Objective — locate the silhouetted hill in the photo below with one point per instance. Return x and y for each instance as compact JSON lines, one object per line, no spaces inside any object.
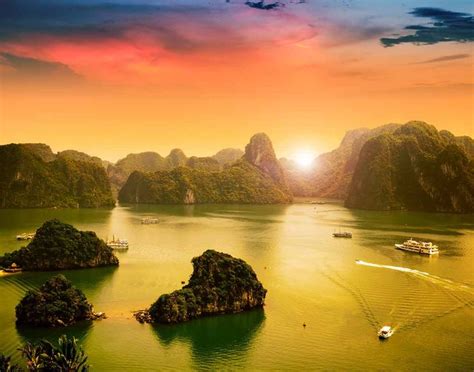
{"x":414,"y":168}
{"x":28,"y":181}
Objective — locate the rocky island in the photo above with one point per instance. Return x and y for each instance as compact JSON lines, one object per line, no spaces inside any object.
{"x":414,"y":168}
{"x":219,"y":284}
{"x":56,"y":303}
{"x":32,"y":176}
{"x":60,"y":246}
{"x":257,"y":178}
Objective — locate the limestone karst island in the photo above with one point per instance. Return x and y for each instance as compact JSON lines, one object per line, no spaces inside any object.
{"x":236,"y":185}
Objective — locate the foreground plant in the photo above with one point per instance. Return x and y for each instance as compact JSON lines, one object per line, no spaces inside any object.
{"x":67,"y":356}
{"x":6,"y":364}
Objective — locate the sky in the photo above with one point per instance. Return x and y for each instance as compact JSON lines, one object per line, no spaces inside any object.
{"x":115,"y":77}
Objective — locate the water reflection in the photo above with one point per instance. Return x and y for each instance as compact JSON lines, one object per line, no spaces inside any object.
{"x":79,"y":330}
{"x":213,"y":339}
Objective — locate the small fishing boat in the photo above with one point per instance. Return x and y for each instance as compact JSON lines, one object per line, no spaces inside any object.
{"x":118,"y":244}
{"x":385,"y":332}
{"x":14,"y":268}
{"x":342,"y":234}
{"x":418,"y":247}
{"x":25,"y":236}
{"x":150,"y":221}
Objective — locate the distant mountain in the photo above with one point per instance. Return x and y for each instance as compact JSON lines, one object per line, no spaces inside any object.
{"x":414,"y":167}
{"x":228,"y":156}
{"x":176,"y":158}
{"x":153,"y":162}
{"x":257,"y":178}
{"x":32,"y":176}
{"x":260,"y":153}
{"x":41,"y":150}
{"x":332,"y":172}
{"x":203,"y":163}
{"x":81,"y":156}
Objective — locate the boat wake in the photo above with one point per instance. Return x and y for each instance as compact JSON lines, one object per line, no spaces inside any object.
{"x":404,"y":305}
{"x":445,"y":283}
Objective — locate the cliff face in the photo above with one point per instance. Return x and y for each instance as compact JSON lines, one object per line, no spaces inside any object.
{"x":228,"y":156}
{"x":259,"y":152}
{"x":56,"y":303}
{"x":414,"y":168}
{"x":334,"y":170}
{"x":59,"y":246}
{"x":176,"y":158}
{"x":259,"y":182}
{"x":219,"y":284}
{"x":28,"y":181}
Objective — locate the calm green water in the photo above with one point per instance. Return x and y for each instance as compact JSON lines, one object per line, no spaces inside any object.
{"x":310,"y":276}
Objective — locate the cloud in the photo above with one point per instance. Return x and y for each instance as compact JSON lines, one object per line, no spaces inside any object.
{"x":263,"y":6}
{"x":451,"y":57}
{"x":445,"y":26}
{"x":15,"y":67}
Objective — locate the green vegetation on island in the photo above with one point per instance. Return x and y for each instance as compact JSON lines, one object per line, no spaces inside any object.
{"x":33,"y":177}
{"x":56,"y":303}
{"x":219,"y":284}
{"x":67,"y":355}
{"x":258,"y":178}
{"x":414,"y":168}
{"x":59,"y":246}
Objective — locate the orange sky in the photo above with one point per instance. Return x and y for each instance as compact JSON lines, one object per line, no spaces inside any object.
{"x":207,"y":78}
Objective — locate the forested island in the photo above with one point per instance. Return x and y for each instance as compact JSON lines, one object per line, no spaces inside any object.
{"x":257,"y":178}
{"x":31,"y":176}
{"x":393,"y":167}
{"x":414,"y":168}
{"x":219,"y":284}
{"x":59,"y":246}
{"x":427,"y":170}
{"x":57,"y":303}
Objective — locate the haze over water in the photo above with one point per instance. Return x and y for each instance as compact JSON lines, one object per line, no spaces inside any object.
{"x":311,"y":278}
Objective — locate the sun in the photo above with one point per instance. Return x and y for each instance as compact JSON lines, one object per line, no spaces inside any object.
{"x":304,"y":158}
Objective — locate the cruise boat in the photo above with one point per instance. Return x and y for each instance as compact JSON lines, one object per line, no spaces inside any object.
{"x":150,"y":221}
{"x":25,"y":236}
{"x":385,"y":332}
{"x":418,"y":247}
{"x":342,"y":234}
{"x":118,"y":244}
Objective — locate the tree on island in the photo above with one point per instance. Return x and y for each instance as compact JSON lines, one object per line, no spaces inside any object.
{"x":59,"y":246}
{"x":56,"y":303}
{"x":219,"y":284}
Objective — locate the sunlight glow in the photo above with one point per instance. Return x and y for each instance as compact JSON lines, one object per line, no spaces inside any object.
{"x":304,"y":158}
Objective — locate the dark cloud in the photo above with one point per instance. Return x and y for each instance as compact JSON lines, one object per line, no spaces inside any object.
{"x":174,"y":26}
{"x":451,"y":57}
{"x":32,"y":68}
{"x":264,"y":6}
{"x":445,"y":25}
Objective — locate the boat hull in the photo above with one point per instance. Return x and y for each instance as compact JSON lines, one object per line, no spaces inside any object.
{"x":415,"y":250}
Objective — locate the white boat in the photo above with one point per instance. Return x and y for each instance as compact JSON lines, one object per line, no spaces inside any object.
{"x":118,"y":244}
{"x":25,"y":236}
{"x":385,"y":332}
{"x":150,"y":221}
{"x":418,"y":247}
{"x":13,"y":268}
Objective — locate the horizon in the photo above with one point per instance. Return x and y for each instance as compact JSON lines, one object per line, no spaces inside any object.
{"x":293,"y":154}
{"x":200,"y":75}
